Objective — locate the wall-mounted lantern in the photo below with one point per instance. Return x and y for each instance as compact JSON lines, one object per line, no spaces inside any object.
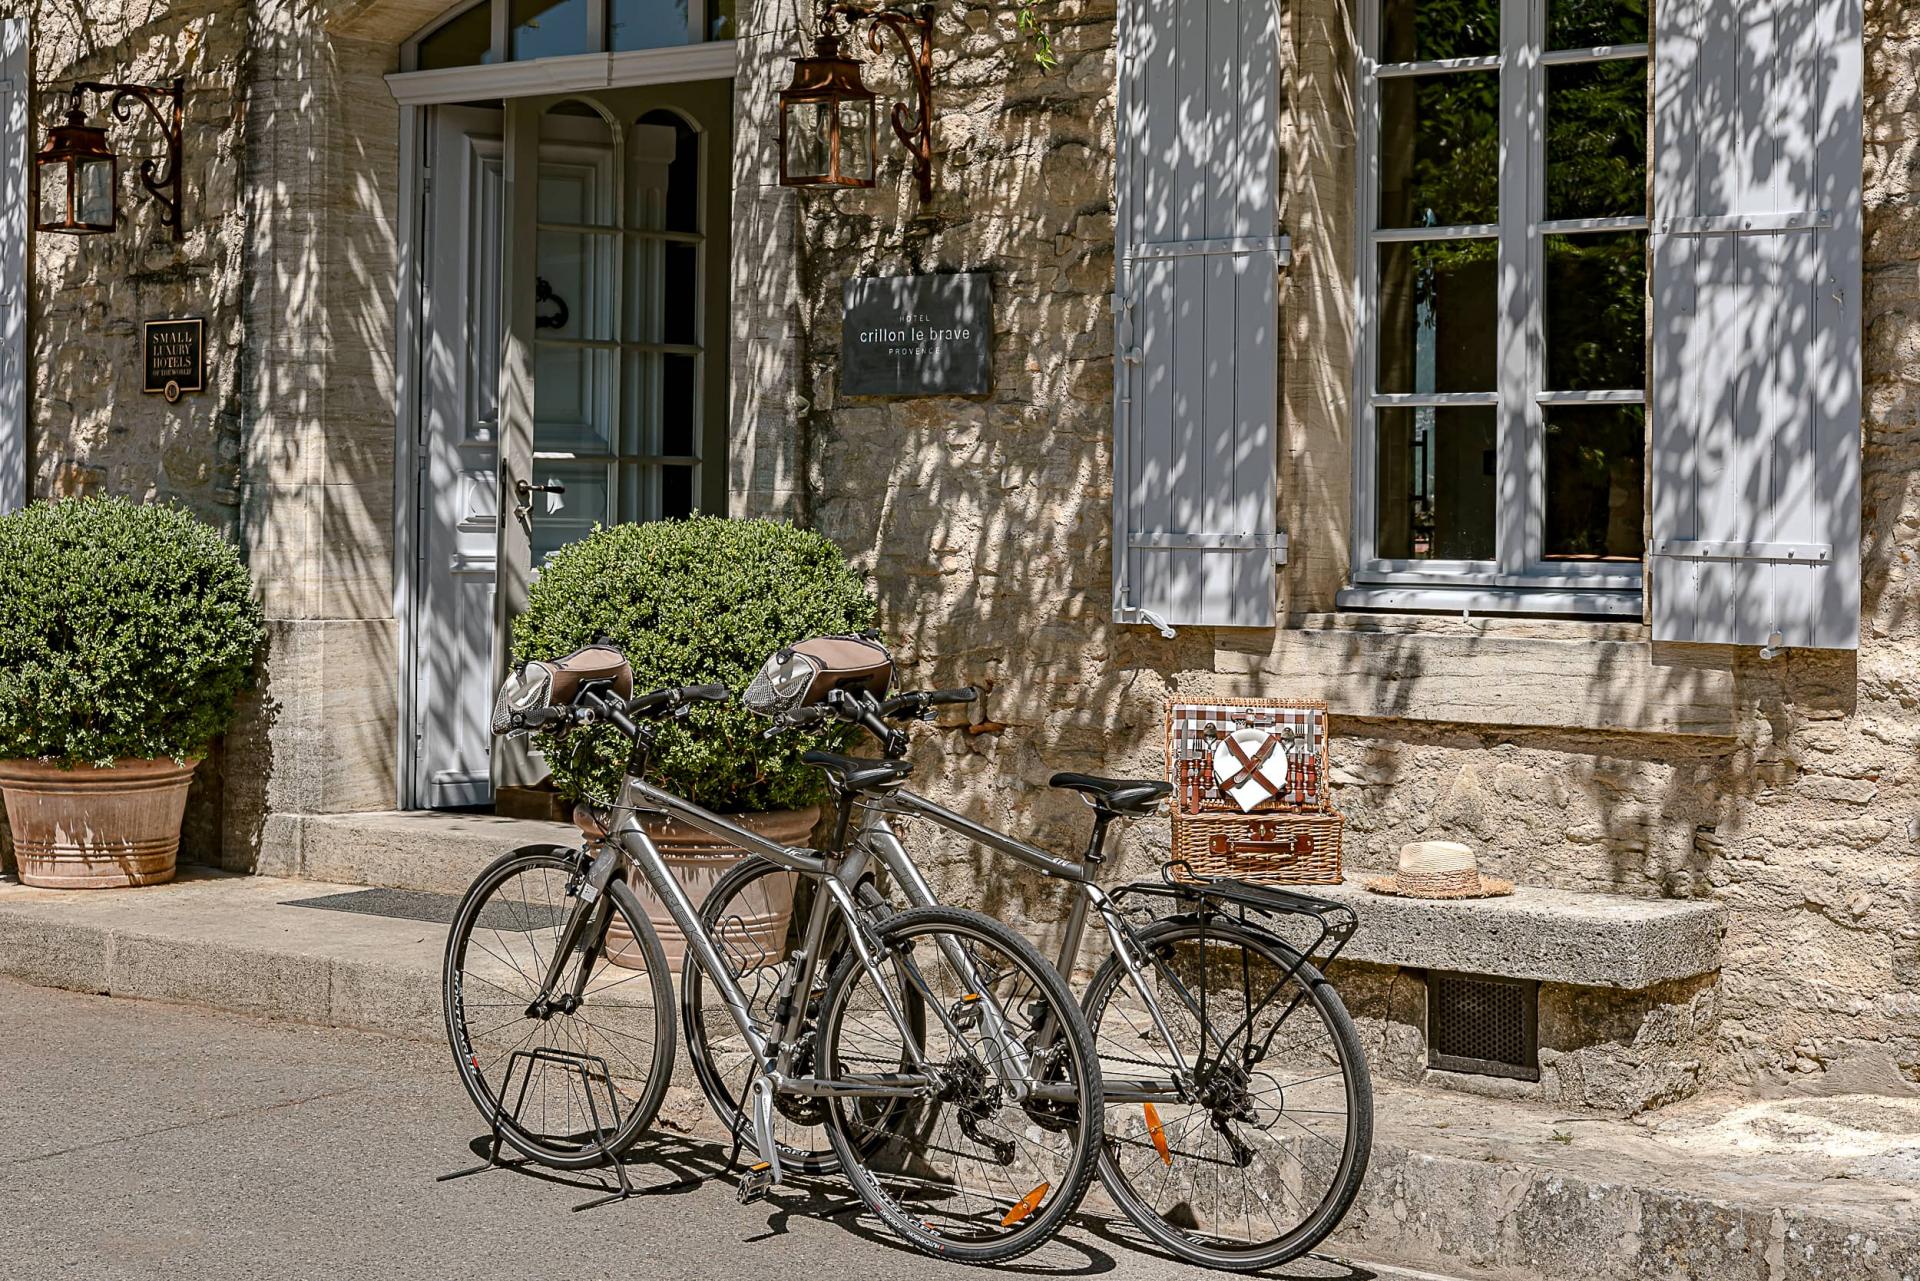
{"x":78,"y":174}
{"x":827,"y":127}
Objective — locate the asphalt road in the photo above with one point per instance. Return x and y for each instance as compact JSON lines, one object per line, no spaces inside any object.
{"x":156,"y":1141}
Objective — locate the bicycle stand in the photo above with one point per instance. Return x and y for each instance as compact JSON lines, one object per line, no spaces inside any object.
{"x":570,"y":1061}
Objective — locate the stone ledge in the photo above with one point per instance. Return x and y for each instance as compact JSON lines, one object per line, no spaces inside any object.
{"x":1555,"y":936}
{"x":1583,"y":676}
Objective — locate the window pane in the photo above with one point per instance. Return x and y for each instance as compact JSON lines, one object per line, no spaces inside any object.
{"x":1425,"y":30}
{"x":666,"y":160}
{"x":575,"y":273}
{"x":676,"y":492}
{"x":1440,"y":149}
{"x":720,"y":19}
{"x":1584,"y":24}
{"x":465,"y":41}
{"x":559,"y":519}
{"x":1596,"y":457}
{"x":659,"y":403}
{"x":1596,"y":311}
{"x":1597,"y":139}
{"x":1437,"y":316}
{"x":646,"y":24}
{"x":548,"y":28}
{"x":572,"y":398}
{"x":1436,"y":490}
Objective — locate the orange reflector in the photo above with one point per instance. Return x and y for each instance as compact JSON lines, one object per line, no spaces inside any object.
{"x":971,"y":996}
{"x":1157,"y":1133}
{"x":1026,"y":1205}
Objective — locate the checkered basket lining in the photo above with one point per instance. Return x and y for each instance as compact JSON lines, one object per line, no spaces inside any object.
{"x":1190,"y":753}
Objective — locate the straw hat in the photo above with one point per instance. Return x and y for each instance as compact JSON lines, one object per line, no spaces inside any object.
{"x":1438,"y":869}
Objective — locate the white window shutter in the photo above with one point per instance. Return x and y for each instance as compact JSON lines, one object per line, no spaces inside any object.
{"x":14,"y":73}
{"x":1196,"y":360}
{"x":1755,"y":535}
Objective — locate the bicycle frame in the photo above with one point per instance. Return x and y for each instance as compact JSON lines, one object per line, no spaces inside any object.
{"x":877,"y":839}
{"x":839,"y":876}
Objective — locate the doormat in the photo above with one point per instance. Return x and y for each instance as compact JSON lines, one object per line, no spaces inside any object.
{"x":435,"y":909}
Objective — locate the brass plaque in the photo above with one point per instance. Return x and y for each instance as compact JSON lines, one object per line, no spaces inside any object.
{"x":176,"y":357}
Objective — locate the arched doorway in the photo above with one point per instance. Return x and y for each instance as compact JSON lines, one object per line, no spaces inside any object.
{"x":572,"y":329}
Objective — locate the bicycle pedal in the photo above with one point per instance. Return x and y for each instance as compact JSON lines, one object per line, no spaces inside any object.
{"x":756,"y":1183}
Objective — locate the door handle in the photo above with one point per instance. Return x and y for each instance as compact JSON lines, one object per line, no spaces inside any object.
{"x":523,"y":492}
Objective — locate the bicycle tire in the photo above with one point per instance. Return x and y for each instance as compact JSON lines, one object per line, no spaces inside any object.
{"x":1037,"y":1225}
{"x":1350,"y":1171}
{"x":566,"y":864}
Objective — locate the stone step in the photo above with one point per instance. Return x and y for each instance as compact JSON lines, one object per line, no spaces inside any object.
{"x":433,"y":850}
{"x":1715,"y":1188}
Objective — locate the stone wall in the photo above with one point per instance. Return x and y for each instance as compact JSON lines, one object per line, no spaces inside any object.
{"x":1786,"y":790}
{"x":290,"y":254}
{"x":91,"y":428}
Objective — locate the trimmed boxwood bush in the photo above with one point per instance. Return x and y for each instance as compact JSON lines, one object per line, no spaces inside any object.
{"x":695,"y":602}
{"x":125,"y":630}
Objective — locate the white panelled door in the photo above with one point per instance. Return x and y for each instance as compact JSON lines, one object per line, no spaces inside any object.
{"x":1196,"y":414}
{"x":459,"y":494}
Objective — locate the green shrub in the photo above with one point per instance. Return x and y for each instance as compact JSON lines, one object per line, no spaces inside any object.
{"x":694,"y":602}
{"x":125,"y":630}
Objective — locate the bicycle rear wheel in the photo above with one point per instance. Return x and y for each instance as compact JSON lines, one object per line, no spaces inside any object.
{"x":570,"y":1082}
{"x":967,"y":1172}
{"x":1266,"y":1153}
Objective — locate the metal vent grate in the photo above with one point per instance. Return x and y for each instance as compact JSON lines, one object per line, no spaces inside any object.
{"x":1482,"y":1024}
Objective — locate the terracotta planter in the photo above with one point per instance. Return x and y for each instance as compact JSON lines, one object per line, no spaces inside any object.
{"x":697,"y":861}
{"x":89,"y":828}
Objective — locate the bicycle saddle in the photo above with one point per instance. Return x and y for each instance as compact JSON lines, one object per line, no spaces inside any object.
{"x":858,"y":773}
{"x":1125,"y":797}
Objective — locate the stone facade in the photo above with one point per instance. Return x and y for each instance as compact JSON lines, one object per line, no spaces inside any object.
{"x":1575,"y":755}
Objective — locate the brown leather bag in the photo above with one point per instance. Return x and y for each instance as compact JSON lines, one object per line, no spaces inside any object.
{"x":801,"y":675}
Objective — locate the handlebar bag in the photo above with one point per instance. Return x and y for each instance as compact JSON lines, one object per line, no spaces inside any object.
{"x":553,"y":683}
{"x":801,"y":675}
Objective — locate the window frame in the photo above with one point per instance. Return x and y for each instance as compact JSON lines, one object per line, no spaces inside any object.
{"x":1519,"y":396}
{"x":500,"y":46}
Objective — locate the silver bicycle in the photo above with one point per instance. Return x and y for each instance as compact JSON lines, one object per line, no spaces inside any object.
{"x":921,"y":1044}
{"x":1239,"y":1113}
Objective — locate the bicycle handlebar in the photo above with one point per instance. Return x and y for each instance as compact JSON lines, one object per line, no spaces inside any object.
{"x":916,"y":703}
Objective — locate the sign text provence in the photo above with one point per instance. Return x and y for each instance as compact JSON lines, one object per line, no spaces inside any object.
{"x":917,"y":336}
{"x":176,"y":357}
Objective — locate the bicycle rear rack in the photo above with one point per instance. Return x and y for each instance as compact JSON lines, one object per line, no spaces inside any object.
{"x":572,"y":1062}
{"x":1235,"y":898}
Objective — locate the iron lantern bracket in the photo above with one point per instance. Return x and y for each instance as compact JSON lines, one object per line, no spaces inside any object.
{"x":912,"y":126}
{"x":167,"y":105}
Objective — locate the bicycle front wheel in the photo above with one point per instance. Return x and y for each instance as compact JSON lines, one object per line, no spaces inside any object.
{"x":570,"y":1075}
{"x":1261,"y":1157}
{"x":960,"y":1167}
{"x":754,"y":915}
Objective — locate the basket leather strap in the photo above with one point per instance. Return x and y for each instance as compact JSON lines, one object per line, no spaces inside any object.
{"x":1250,"y":765}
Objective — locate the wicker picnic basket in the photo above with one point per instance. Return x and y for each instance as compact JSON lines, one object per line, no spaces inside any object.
{"x":1291,"y":838}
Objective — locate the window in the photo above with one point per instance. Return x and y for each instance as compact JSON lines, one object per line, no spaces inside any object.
{"x":1502,"y":352}
{"x":529,"y":29}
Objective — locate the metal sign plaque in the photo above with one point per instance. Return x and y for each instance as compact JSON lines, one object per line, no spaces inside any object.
{"x":176,"y":357}
{"x":917,"y":336}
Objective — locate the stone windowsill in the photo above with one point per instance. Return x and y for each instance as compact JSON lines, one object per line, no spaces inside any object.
{"x":1522,"y":673}
{"x":1555,"y":936}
